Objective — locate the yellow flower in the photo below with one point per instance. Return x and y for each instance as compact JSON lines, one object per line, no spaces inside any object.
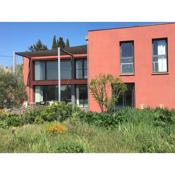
{"x":56,"y":128}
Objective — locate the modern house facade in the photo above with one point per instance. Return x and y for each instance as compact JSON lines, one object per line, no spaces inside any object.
{"x":142,"y":56}
{"x":40,"y":71}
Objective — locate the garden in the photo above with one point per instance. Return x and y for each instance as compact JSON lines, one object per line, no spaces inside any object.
{"x":63,"y":128}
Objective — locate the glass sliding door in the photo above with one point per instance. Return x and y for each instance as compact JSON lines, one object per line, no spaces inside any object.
{"x":82,"y":96}
{"x":50,"y":93}
{"x":38,"y":94}
{"x":66,"y":93}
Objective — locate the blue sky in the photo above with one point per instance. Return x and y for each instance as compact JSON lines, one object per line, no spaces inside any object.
{"x":19,"y":36}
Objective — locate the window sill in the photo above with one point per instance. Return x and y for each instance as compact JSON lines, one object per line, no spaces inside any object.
{"x":127,"y":74}
{"x":160,"y":73}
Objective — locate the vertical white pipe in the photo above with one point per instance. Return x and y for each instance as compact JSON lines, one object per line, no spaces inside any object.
{"x":14,"y":63}
{"x":59,"y":76}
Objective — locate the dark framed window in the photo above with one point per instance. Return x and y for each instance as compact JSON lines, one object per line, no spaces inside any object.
{"x":81,"y":69}
{"x":52,"y":70}
{"x":50,"y":93}
{"x":48,"y":70}
{"x":128,"y":98}
{"x":66,"y":93}
{"x":159,"y":60}
{"x":82,"y":95}
{"x":39,"y":70}
{"x":66,"y":69}
{"x":127,"y":57}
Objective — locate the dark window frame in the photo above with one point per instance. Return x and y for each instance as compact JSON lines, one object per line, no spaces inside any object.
{"x":84,"y":100}
{"x":123,"y":96}
{"x":133,"y":63}
{"x":82,"y":70}
{"x":45,"y":91}
{"x":45,"y":71}
{"x":153,"y":56}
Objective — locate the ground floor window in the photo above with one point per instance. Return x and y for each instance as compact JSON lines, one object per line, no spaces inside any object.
{"x":68,"y":93}
{"x":50,"y":93}
{"x":128,"y":98}
{"x":82,"y":96}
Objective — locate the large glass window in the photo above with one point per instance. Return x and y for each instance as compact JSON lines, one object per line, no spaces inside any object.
{"x":81,"y":95}
{"x":81,"y":69}
{"x":127,"y":57}
{"x":38,"y":94}
{"x":66,"y":70}
{"x":39,"y":67}
{"x":160,"y":55}
{"x":48,"y":70}
{"x":52,"y":70}
{"x":50,"y":93}
{"x":66,"y":93}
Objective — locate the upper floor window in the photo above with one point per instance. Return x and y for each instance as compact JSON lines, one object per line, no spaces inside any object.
{"x":52,"y":70}
{"x":48,"y":70}
{"x":159,"y":55}
{"x":39,"y":69}
{"x":81,"y":69}
{"x":66,"y":70}
{"x":127,"y":57}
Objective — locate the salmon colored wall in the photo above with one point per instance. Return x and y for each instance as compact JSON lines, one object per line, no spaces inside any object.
{"x":47,"y":82}
{"x":104,"y":57}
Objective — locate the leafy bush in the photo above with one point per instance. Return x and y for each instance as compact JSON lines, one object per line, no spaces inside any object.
{"x":14,"y":120}
{"x":106,"y":120}
{"x":162,"y":117}
{"x":54,"y":112}
{"x":70,"y":147}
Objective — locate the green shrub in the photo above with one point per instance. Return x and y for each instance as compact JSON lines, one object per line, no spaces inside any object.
{"x":54,"y":112}
{"x":32,"y":114}
{"x":107,"y":120}
{"x":14,"y":120}
{"x":162,"y":117}
{"x":70,"y":147}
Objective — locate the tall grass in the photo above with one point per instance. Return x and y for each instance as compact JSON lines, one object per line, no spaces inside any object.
{"x":138,"y":131}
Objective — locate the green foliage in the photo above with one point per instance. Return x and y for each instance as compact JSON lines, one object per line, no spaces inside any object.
{"x":67,"y":43}
{"x":162,"y":117}
{"x":12,"y":90}
{"x":100,"y":87}
{"x":70,"y":147}
{"x":126,"y":130}
{"x":54,"y":43}
{"x":60,"y":42}
{"x":55,"y":112}
{"x":105,"y":120}
{"x":14,"y":120}
{"x":38,"y":46}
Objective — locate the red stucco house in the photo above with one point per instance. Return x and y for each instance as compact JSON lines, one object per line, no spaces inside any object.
{"x":142,"y":56}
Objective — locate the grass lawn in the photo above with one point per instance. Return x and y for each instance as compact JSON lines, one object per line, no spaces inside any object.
{"x":135,"y":136}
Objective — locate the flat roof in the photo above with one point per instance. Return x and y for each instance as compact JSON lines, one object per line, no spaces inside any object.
{"x":146,"y":25}
{"x":72,"y":50}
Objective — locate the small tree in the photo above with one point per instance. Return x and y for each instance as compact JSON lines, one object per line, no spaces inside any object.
{"x":54,"y":43}
{"x":12,"y":90}
{"x":38,"y":46}
{"x":60,"y":42}
{"x":101,"y":87}
{"x":67,"y":43}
